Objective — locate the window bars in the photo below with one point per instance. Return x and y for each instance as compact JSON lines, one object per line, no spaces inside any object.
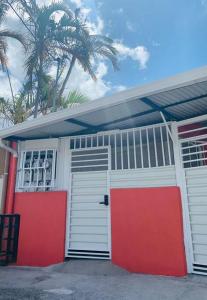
{"x":193,"y":141}
{"x":144,"y":147}
{"x":37,"y":170}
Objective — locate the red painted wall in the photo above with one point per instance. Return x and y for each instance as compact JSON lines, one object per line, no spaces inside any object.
{"x":147,"y":231}
{"x":42,"y":227}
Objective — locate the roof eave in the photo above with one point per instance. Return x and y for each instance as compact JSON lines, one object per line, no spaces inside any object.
{"x":180,"y":80}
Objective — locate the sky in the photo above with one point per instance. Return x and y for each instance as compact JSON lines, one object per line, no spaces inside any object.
{"x":155,"y":39}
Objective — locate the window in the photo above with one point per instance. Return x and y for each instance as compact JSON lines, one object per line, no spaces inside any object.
{"x":37,"y":170}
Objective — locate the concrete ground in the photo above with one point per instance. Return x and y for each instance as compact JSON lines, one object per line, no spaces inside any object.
{"x":95,"y":280}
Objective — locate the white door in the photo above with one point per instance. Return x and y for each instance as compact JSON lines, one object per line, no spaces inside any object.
{"x":88,"y":232}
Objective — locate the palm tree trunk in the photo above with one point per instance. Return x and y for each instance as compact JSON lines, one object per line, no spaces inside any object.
{"x":10,"y":84}
{"x":39,"y":88}
{"x":67,"y":77}
{"x":54,"y":90}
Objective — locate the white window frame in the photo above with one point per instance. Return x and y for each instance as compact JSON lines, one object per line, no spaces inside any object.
{"x":34,"y":185}
{"x":38,"y":145}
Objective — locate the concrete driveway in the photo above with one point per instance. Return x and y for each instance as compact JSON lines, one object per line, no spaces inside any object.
{"x":88,"y":280}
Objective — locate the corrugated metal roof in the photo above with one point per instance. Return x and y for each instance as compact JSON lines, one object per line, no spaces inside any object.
{"x":180,"y":94}
{"x":179,"y":97}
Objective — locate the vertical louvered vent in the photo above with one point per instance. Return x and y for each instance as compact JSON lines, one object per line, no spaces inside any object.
{"x":88,"y":254}
{"x":200,"y":269}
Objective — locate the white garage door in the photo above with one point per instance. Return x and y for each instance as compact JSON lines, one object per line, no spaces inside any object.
{"x":88,"y":216}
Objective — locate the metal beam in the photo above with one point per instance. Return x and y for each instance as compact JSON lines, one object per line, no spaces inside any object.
{"x":80,"y":123}
{"x":103,"y":125}
{"x":151,"y":104}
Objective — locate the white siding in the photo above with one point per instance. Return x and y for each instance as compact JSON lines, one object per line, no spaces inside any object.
{"x":196,"y":179}
{"x":38,"y":144}
{"x":154,"y":177}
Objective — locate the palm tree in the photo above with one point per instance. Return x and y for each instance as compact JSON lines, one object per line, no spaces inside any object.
{"x":4,"y":35}
{"x":41,"y":23}
{"x":85,"y":48}
{"x":62,"y":42}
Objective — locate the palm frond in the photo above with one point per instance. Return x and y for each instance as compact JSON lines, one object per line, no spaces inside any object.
{"x":3,"y":59}
{"x":14,"y":35}
{"x":3,"y":56}
{"x":47,"y":11}
{"x":74,"y":98}
{"x":3,"y":9}
{"x":104,"y":52}
{"x":102,"y":38}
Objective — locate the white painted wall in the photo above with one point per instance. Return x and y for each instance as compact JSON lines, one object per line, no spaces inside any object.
{"x":149,"y":177}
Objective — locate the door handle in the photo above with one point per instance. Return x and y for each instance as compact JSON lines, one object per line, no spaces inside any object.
{"x":106,"y":200}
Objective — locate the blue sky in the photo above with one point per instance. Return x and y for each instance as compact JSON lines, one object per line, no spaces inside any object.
{"x":156,"y":39}
{"x":174,"y":33}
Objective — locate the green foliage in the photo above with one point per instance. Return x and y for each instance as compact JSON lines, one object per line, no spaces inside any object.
{"x":21,"y":108}
{"x":73,"y":99}
{"x":51,"y":42}
{"x":16,"y":111}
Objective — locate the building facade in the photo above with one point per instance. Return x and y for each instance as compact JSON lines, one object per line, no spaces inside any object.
{"x":123,"y":178}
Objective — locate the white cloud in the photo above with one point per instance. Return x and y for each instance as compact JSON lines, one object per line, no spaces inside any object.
{"x":96,"y":27}
{"x":139,"y":54}
{"x":16,"y":58}
{"x":130,"y":26}
{"x":11,"y":14}
{"x":46,"y":2}
{"x":78,"y":3}
{"x":119,"y":88}
{"x":84,"y":83}
{"x":85,"y":11}
{"x":5,"y":88}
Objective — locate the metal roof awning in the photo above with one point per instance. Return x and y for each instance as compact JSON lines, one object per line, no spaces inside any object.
{"x":180,"y":97}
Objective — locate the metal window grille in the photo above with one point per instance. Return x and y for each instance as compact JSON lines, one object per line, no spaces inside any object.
{"x":144,"y":147}
{"x":193,"y":141}
{"x":37,"y":170}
